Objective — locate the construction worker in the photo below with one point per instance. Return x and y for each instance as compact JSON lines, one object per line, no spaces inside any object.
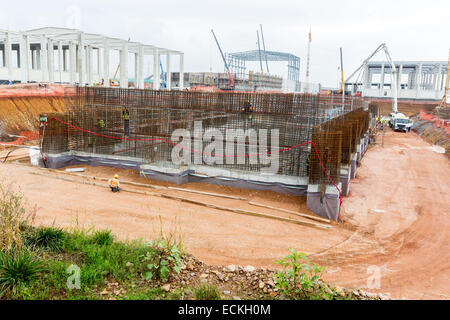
{"x":248,"y":107}
{"x":126,"y":122}
{"x":100,"y":124}
{"x":114,"y":183}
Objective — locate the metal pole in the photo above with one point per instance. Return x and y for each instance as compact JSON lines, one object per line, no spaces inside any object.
{"x":264,"y":47}
{"x":259,"y":51}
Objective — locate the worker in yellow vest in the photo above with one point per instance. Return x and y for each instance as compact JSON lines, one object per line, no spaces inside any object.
{"x":114,"y":183}
{"x":126,"y":122}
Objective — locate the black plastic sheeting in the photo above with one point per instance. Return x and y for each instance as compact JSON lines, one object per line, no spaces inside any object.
{"x":190,"y":176}
{"x":326,"y":206}
{"x":74,"y":160}
{"x":186,"y":176}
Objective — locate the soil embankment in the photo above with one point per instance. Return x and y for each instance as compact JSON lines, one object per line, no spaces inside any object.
{"x":408,"y":108}
{"x":21,"y":105}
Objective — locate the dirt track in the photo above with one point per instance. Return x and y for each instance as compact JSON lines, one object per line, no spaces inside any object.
{"x":396,"y":218}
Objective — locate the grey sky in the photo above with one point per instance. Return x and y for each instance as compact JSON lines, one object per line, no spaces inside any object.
{"x":413,"y":30}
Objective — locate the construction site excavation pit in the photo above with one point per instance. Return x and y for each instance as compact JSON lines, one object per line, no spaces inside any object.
{"x":306,"y":145}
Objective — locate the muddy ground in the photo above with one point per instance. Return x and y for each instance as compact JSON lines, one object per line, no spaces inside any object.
{"x":395,"y":221}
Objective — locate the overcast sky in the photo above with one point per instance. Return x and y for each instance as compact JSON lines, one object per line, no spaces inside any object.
{"x":413,"y":30}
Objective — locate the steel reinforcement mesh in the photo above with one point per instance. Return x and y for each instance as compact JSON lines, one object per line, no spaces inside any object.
{"x":95,"y":123}
{"x":335,"y":141}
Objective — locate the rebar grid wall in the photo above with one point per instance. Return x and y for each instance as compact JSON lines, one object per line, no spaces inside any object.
{"x":327,"y":119}
{"x":336,"y":140}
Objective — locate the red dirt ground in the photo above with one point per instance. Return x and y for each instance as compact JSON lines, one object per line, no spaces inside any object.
{"x":396,"y":219}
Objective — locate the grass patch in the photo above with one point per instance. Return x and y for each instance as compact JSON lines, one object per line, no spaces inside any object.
{"x":103,"y":237}
{"x":206,"y":291}
{"x":47,"y":238}
{"x":18,"y":270}
{"x":52,"y":263}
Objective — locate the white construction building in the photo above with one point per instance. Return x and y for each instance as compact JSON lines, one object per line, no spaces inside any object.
{"x":61,"y":55}
{"x":417,"y":80}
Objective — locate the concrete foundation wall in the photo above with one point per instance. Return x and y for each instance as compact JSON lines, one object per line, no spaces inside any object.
{"x":327,"y":206}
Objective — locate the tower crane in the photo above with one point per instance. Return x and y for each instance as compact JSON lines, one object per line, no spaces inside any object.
{"x":231,"y":85}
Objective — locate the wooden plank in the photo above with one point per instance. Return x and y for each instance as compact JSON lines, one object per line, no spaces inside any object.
{"x":208,"y":193}
{"x":304,"y":215}
{"x":104,"y":179}
{"x":209,"y":205}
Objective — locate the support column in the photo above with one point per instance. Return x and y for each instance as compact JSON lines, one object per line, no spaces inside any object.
{"x":399,"y":79}
{"x":382,"y":80}
{"x":169,"y":73}
{"x":136,"y":69}
{"x":81,"y":60}
{"x":51,"y":60}
{"x":156,"y":71}
{"x":99,"y":65}
{"x":326,"y":205}
{"x":106,"y":62}
{"x":33,"y":60}
{"x":90,"y":65}
{"x":353,"y":166}
{"x":141,"y":83}
{"x":442,"y":80}
{"x":60,"y":61}
{"x":24,"y":58}
{"x":366,"y":84}
{"x":64,"y":53}
{"x":124,"y":66}
{"x":345,"y":179}
{"x":44,"y":59}
{"x":181,"y":71}
{"x":8,"y":56}
{"x":437,"y":81}
{"x":38,"y":58}
{"x":73,"y":62}
{"x":418,"y":80}
{"x":410,"y":80}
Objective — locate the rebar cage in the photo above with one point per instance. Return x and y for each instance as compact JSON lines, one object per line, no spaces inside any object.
{"x":139,"y":124}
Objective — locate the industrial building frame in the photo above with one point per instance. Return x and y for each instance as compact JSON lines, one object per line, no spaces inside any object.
{"x":425,"y":80}
{"x":236,"y":61}
{"x":74,"y":57}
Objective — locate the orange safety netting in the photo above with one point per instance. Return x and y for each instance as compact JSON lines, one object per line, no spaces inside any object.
{"x":35,"y":90}
{"x":24,"y":136}
{"x":438,"y":122}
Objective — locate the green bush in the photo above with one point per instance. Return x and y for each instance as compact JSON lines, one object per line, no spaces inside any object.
{"x":18,"y":269}
{"x":49,"y":238}
{"x":298,"y":279}
{"x":207,"y":292}
{"x":162,"y":259}
{"x":103,"y":237}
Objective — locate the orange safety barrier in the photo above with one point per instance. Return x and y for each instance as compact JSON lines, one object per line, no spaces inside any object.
{"x":438,"y":122}
{"x":34,"y":90}
{"x":24,"y":136}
